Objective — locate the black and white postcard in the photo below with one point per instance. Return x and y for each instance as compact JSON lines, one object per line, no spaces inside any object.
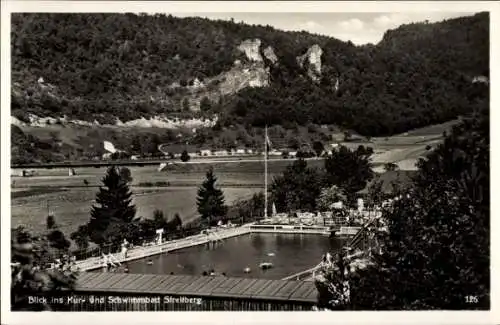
{"x":285,"y":159}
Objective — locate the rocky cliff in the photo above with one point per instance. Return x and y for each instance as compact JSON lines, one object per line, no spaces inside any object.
{"x":270,"y":55}
{"x":311,"y":61}
{"x":251,"y":48}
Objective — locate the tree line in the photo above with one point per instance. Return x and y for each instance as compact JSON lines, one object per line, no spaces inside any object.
{"x":108,"y":66}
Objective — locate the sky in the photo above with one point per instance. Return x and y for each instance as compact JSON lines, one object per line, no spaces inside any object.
{"x":359,"y":28}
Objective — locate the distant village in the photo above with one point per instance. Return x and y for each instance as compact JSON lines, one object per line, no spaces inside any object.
{"x":176,"y":150}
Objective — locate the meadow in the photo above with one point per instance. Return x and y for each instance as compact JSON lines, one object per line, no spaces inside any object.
{"x":70,"y":200}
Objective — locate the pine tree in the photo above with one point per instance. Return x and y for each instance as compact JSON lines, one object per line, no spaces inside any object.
{"x":185,"y":156}
{"x":113,"y":207}
{"x":176,"y":222}
{"x":159,"y":219}
{"x":210,"y":200}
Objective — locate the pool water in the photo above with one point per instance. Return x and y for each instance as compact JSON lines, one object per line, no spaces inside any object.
{"x":289,"y":254}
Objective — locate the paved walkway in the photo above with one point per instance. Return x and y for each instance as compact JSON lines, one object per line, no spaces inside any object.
{"x":139,"y":252}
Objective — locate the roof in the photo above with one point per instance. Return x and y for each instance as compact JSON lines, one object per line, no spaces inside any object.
{"x":178,"y":148}
{"x":200,"y":286}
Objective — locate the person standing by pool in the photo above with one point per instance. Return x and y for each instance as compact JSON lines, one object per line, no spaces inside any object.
{"x":125,"y":248}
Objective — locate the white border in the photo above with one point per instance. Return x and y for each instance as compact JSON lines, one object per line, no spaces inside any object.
{"x":446,"y":317}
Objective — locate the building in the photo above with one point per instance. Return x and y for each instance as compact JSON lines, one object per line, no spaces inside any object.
{"x":240,"y":151}
{"x":205,"y":152}
{"x":221,"y":153}
{"x":176,"y":150}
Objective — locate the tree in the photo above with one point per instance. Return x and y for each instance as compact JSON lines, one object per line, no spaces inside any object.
{"x":30,"y":275}
{"x":293,"y":143}
{"x":390,"y":167}
{"x":376,"y":194}
{"x":349,"y":170}
{"x":329,"y":196}
{"x":437,"y":251}
{"x":126,"y":174}
{"x":176,"y":223}
{"x":51,"y":222}
{"x":185,"y":105}
{"x":185,"y":156}
{"x":81,"y":237}
{"x":347,"y":136}
{"x":210,"y":199}
{"x":318,"y":148}
{"x":297,"y":188}
{"x":113,"y":206}
{"x":159,"y":219}
{"x":56,"y":238}
{"x":205,"y":104}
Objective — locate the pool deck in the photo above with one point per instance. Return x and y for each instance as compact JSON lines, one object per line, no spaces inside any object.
{"x":145,"y":251}
{"x":140,"y":252}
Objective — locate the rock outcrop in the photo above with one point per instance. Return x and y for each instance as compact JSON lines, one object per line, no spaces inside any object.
{"x":251,"y":48}
{"x":156,"y":122}
{"x":480,"y":79}
{"x":270,"y":55}
{"x":313,"y":59}
{"x":237,"y":79}
{"x":162,"y":122}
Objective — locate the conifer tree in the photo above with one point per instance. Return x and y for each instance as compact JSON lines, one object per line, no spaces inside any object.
{"x":55,"y":237}
{"x":159,"y":219}
{"x":210,"y":199}
{"x":113,"y":208}
{"x":185,"y":156}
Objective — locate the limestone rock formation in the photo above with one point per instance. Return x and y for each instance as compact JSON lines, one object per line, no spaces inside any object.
{"x":251,"y":48}
{"x":237,"y":79}
{"x":270,"y":55}
{"x":313,"y":59}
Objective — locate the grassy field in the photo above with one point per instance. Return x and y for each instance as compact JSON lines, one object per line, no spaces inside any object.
{"x":70,"y":200}
{"x":405,"y":149}
{"x":240,"y":173}
{"x":72,"y":207}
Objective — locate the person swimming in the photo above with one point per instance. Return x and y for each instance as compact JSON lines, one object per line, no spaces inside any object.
{"x":204,"y":273}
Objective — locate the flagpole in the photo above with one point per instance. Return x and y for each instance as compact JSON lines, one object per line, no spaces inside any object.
{"x":265,"y":174}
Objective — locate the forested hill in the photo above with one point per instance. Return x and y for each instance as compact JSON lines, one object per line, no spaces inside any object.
{"x":126,"y":66}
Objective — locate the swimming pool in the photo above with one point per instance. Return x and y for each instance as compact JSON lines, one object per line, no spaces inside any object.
{"x":289,"y":254}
